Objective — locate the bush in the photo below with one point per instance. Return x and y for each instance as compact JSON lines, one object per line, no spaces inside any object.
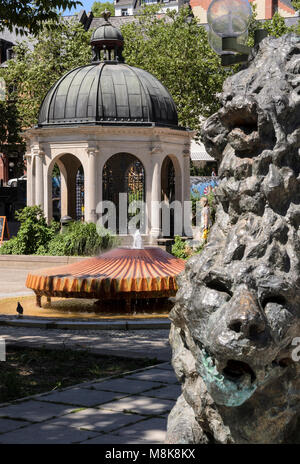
{"x":34,"y":233}
{"x":81,"y":239}
{"x":181,"y":248}
{"x":35,"y":237}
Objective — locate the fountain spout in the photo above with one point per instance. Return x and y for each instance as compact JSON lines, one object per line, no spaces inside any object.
{"x":137,"y":240}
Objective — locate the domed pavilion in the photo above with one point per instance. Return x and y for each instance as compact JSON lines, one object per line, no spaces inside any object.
{"x":112,"y":130}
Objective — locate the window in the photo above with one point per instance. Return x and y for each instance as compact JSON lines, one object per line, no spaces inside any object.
{"x":124,"y":12}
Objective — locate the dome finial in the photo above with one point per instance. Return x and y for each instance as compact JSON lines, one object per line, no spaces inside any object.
{"x":107,"y":41}
{"x":106,"y":14}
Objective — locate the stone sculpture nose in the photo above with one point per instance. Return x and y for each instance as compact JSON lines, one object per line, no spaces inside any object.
{"x":245,"y":316}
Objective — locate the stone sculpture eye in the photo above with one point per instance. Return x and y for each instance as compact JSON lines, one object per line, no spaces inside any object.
{"x":218,"y":286}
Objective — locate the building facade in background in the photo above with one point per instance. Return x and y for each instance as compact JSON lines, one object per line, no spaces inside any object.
{"x":264,"y":8}
{"x":131,"y":7}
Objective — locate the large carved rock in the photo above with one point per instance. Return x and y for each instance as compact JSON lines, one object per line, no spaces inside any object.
{"x":238,"y":305}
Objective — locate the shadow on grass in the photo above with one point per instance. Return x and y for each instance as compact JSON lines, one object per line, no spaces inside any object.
{"x":29,"y":371}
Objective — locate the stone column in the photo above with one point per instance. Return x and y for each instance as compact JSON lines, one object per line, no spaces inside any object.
{"x":186,"y":176}
{"x":29,"y":160}
{"x":39,"y":178}
{"x":186,"y":194}
{"x":91,"y":194}
{"x":156,"y":195}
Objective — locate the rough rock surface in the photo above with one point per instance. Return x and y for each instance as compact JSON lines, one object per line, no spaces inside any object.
{"x":237,"y":310}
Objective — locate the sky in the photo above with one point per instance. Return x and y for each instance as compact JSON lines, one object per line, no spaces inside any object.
{"x":86,"y":5}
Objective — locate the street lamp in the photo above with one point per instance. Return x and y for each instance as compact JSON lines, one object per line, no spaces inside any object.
{"x":228,"y":30}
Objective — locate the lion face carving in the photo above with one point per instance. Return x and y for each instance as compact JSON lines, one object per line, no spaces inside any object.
{"x":238,"y":305}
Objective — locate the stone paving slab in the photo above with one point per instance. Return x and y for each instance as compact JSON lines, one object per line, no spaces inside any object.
{"x":140,"y":405}
{"x":152,"y":430}
{"x":169,"y":393}
{"x":6,"y":425}
{"x":129,"y":343}
{"x":105,"y":439}
{"x":46,"y":433}
{"x":123,"y":385}
{"x":97,"y":420}
{"x":140,"y":418}
{"x":166,"y":366}
{"x":34,"y":411}
{"x":156,"y":375}
{"x":80,"y":397}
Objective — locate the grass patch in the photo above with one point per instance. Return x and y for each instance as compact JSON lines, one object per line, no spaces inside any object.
{"x":29,"y":371}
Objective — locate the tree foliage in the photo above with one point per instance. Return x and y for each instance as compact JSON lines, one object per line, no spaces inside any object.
{"x":28,"y":16}
{"x":99,"y":7}
{"x":296,"y":5}
{"x":10,"y":127}
{"x":31,"y":73}
{"x":175,"y":49}
{"x":276,"y":26}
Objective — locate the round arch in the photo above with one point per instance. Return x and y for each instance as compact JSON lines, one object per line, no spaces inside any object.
{"x":171,"y":191}
{"x":71,"y":186}
{"x":124,"y":173}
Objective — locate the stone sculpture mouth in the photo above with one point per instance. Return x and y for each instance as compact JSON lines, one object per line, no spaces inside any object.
{"x":236,"y":370}
{"x":240,"y":372}
{"x":231,"y":382}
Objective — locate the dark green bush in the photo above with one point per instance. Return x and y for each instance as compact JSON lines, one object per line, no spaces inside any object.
{"x":179,"y":248}
{"x":34,"y":233}
{"x":81,"y":239}
{"x":35,"y":237}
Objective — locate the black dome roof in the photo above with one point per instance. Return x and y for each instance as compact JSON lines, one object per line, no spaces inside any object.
{"x":108,"y":93}
{"x":106,"y":32}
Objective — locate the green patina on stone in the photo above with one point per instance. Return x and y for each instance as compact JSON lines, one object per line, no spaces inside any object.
{"x":229,"y":393}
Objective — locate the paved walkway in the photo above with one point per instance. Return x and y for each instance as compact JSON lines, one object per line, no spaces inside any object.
{"x":12,"y":283}
{"x":131,"y":409}
{"x":132,"y":343}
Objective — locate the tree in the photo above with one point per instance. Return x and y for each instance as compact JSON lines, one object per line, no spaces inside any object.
{"x":28,"y":16}
{"x":276,"y":26}
{"x":10,"y":128}
{"x":175,"y":49}
{"x":31,"y":73}
{"x":99,"y":7}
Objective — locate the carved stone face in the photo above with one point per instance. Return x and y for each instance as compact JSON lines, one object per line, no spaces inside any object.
{"x":239,"y":320}
{"x":238,"y":304}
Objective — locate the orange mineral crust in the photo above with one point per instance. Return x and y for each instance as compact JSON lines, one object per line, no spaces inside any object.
{"x":145,"y":273}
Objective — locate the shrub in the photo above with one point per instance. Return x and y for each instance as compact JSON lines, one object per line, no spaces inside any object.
{"x":33,"y":234}
{"x":179,"y":248}
{"x":81,"y":239}
{"x":36,"y":237}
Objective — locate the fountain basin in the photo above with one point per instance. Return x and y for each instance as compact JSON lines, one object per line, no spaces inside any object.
{"x":121,"y":273}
